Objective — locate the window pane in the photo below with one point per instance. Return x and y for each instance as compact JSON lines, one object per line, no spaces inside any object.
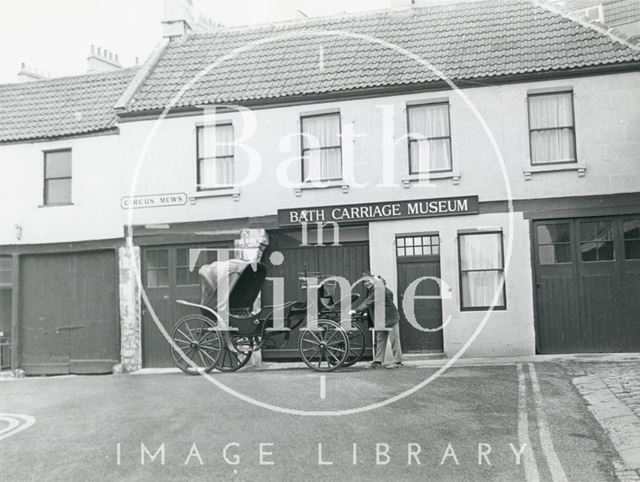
{"x":322,"y":164}
{"x":551,"y":110}
{"x":552,"y":146}
{"x":479,"y":288}
{"x":632,"y":249}
{"x":481,"y":251}
{"x":596,"y":231}
{"x":157,"y":278}
{"x":435,"y":249}
{"x":58,"y":191}
{"x":215,"y":141}
{"x":185,"y":277}
{"x":597,"y":251}
{"x":554,"y":253}
{"x":430,"y":155}
{"x":418,"y":251}
{"x":157,"y":258}
{"x":596,"y":241}
{"x":401,"y":252}
{"x":429,"y":121}
{"x":57,"y":164}
{"x":321,"y":131}
{"x":410,"y":251}
{"x":553,"y":233}
{"x":409,"y":241}
{"x":632,"y":229}
{"x":400,"y":241}
{"x":216,"y":172}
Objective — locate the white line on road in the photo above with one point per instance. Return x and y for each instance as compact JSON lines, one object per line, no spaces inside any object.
{"x":557,"y":472}
{"x":530,"y":464}
{"x":323,"y":387}
{"x":17,"y":423}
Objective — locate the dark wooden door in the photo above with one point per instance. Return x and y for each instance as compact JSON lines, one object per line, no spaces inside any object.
{"x":167,"y":276}
{"x":348,"y":260}
{"x":69,"y":313}
{"x":418,"y":256}
{"x":587,"y":285}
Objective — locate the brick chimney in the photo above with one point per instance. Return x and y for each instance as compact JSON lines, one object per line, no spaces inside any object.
{"x":28,"y":73}
{"x":178,"y":18}
{"x":101,"y":60}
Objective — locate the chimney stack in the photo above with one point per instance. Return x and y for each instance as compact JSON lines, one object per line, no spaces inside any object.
{"x":28,"y":73}
{"x":178,"y":19}
{"x":101,"y":60}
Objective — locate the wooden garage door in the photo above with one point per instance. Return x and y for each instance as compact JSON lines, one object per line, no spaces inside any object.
{"x":348,"y":260}
{"x":588,"y":285}
{"x":69,"y":313}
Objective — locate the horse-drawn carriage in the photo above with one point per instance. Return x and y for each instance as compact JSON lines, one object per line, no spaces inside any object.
{"x":229,"y":327}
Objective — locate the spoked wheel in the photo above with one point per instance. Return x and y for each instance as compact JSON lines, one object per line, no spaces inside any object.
{"x":326,"y":348}
{"x":199,"y":342}
{"x":229,"y":360}
{"x":356,"y":345}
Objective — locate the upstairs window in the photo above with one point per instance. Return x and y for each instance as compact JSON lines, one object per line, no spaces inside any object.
{"x":429,"y":138}
{"x":57,"y":177}
{"x":321,"y":147}
{"x":215,"y":156}
{"x":551,"y":128}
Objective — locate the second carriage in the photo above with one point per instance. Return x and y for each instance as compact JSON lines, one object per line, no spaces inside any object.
{"x":207,"y":340}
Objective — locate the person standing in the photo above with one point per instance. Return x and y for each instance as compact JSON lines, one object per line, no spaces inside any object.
{"x":391,"y":321}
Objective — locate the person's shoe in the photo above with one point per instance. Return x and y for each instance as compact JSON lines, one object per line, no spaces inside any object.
{"x":375,"y":364}
{"x":395,"y":365}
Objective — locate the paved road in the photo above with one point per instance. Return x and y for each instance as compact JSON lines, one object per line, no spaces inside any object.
{"x":82,"y":422}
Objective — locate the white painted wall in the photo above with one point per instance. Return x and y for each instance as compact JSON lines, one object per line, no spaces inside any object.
{"x":96,"y":187}
{"x":607,"y":131}
{"x":507,"y":332}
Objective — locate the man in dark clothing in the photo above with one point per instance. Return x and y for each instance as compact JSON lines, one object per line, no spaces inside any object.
{"x":391,"y":321}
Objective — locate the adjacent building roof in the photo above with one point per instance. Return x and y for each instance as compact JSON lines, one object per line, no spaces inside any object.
{"x":61,"y":107}
{"x":466,"y":41}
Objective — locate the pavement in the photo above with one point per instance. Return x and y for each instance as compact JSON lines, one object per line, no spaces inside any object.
{"x":516,"y":421}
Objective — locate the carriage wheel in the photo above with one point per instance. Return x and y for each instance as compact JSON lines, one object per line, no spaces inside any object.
{"x":324,"y":349}
{"x":230,"y":361}
{"x":356,"y":345}
{"x":200,"y":343}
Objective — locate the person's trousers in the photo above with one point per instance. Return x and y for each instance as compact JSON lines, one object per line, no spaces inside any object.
{"x":381,"y":344}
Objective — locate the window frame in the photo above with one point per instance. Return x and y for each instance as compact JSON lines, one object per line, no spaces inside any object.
{"x":410,"y":140}
{"x":45,"y":178}
{"x":502,"y":307}
{"x":303,"y":149}
{"x":573,"y":127}
{"x":199,"y":187}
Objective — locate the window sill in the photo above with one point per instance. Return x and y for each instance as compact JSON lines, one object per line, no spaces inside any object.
{"x":61,"y":205}
{"x":530,"y":170}
{"x":453,"y":175}
{"x":227,"y":191}
{"x":339,"y":183}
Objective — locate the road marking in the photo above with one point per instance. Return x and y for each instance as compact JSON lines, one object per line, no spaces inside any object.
{"x":557,"y":472}
{"x":17,"y":423}
{"x":323,"y":387}
{"x":529,"y":459}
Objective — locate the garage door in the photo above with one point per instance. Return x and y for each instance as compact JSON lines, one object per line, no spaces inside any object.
{"x":588,"y":285}
{"x":69,"y":313}
{"x":167,"y":277}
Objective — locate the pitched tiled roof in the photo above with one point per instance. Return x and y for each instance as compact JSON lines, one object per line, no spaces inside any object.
{"x":466,"y":41}
{"x":62,"y":106}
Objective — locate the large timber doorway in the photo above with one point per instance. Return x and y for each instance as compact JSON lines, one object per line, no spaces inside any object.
{"x":587,"y":285}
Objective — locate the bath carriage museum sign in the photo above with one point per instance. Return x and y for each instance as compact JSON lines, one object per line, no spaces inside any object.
{"x":384,"y":211}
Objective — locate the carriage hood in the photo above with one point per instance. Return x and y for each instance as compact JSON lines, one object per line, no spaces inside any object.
{"x":243,"y":279}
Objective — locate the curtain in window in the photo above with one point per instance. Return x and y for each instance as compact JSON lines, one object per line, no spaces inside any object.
{"x":553,"y":114}
{"x":425,"y":124}
{"x":322,"y":164}
{"x":216,"y":155}
{"x":481,"y":269}
{"x":321,"y":146}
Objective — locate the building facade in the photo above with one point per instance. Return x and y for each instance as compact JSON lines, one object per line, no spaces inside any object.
{"x":491,"y":180}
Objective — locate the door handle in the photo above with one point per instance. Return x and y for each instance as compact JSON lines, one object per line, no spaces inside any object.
{"x":68,"y":328}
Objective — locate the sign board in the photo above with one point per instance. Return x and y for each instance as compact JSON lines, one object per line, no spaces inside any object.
{"x":381,"y":211}
{"x":154,"y":200}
